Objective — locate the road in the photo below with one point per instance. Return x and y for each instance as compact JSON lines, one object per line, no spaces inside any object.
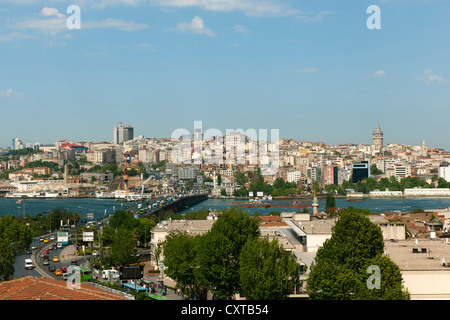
{"x":39,"y":270}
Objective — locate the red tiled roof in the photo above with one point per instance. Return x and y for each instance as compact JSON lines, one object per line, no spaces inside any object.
{"x":30,"y":288}
{"x":269,"y":218}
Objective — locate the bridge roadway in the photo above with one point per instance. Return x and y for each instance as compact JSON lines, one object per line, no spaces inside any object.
{"x":179,"y":204}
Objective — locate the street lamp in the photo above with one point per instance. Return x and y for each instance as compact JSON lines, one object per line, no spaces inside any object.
{"x":195,"y":279}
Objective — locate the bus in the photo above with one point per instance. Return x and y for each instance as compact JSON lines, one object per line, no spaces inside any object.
{"x":85,"y":274}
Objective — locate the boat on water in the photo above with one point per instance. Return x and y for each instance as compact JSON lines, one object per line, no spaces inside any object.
{"x":31,"y":194}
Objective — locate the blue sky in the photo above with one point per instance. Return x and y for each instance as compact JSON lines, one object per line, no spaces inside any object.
{"x":311,"y":69}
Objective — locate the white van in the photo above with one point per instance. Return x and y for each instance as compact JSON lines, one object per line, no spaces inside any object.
{"x":114,"y":274}
{"x":28,"y":264}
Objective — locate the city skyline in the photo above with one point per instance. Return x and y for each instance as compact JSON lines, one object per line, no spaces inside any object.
{"x":376,"y":139}
{"x":312,"y":70}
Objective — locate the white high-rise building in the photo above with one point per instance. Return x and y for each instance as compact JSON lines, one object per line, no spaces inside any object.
{"x":444,"y":172}
{"x":122,"y":133}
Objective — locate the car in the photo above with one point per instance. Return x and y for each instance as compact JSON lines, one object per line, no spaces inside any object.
{"x":58,"y":272}
{"x":45,"y":262}
{"x":45,"y":251}
{"x":52,"y":238}
{"x":75,"y":262}
{"x":46,"y":240}
{"x":64,"y":269}
{"x":55,"y":259}
{"x":33,"y":248}
{"x":41,"y":239}
{"x":51,"y":268}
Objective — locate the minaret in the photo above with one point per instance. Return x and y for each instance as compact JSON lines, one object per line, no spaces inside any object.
{"x":424,"y":149}
{"x":377,"y":138}
{"x":66,"y":172}
{"x":315,"y":204}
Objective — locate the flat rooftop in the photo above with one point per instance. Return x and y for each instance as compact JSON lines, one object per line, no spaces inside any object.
{"x":315,"y":226}
{"x":401,"y":252}
{"x":191,"y":226}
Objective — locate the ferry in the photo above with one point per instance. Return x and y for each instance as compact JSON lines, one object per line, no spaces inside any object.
{"x":31,"y":194}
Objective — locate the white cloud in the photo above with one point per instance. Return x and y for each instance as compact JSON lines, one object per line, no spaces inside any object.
{"x":14,"y":36}
{"x":309,"y":70}
{"x":10,"y":93}
{"x":429,"y":78}
{"x":48,"y":12}
{"x":249,"y":7}
{"x":379,"y":74}
{"x":51,"y":21}
{"x":196,"y":26}
{"x":241,"y":29}
{"x":115,"y":24}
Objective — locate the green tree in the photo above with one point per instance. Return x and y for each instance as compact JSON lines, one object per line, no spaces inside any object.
{"x":180,"y":253}
{"x":219,"y":251}
{"x":123,"y":250}
{"x":374,"y":170}
{"x":123,"y":219}
{"x":267,"y":271}
{"x":330,"y":203}
{"x":15,"y":238}
{"x":219,"y":179}
{"x":240,"y":178}
{"x":340,"y":269}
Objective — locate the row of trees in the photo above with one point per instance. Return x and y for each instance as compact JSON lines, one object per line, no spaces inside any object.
{"x":123,"y":235}
{"x":231,"y":258}
{"x":257,"y":184}
{"x":15,"y":238}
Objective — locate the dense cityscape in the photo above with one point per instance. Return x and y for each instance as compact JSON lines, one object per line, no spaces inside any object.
{"x":222,"y":158}
{"x":88,"y":169}
{"x":284,"y":180}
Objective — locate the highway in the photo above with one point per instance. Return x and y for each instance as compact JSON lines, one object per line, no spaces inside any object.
{"x":36,"y":256}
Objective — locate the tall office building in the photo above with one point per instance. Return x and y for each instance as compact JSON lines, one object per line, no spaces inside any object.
{"x":377,"y":137}
{"x":17,"y":144}
{"x":122,"y":133}
{"x":360,"y":170}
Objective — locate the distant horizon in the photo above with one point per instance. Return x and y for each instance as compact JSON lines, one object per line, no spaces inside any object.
{"x":315,"y":70}
{"x":224,"y":132}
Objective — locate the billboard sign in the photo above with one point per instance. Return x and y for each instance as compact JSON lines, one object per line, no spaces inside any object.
{"x":131,"y":273}
{"x":88,"y":236}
